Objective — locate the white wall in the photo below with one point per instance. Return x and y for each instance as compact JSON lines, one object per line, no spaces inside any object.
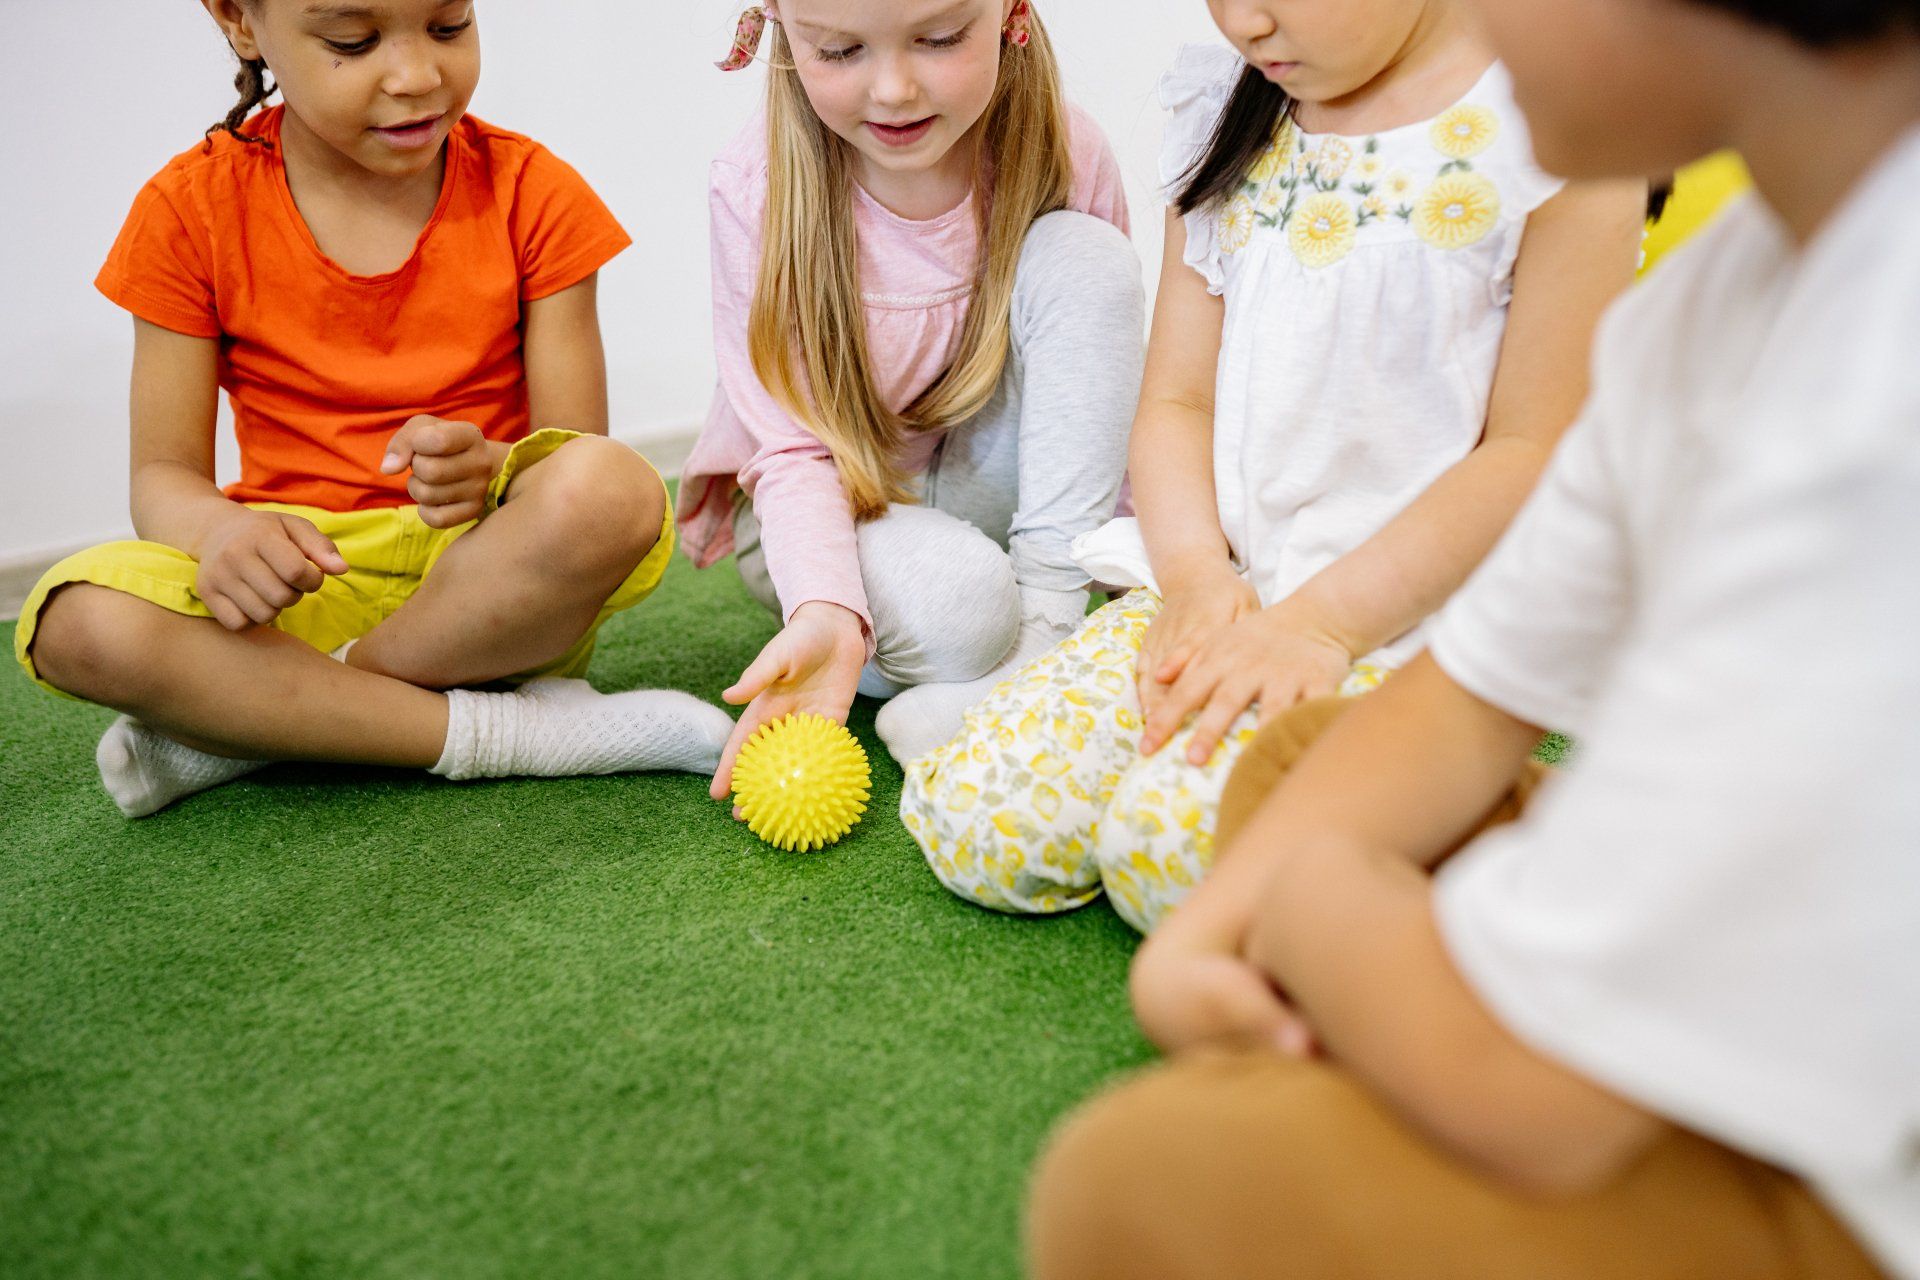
{"x":623,"y":89}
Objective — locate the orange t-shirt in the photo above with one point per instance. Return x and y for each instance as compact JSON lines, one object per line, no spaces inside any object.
{"x":321,"y":366}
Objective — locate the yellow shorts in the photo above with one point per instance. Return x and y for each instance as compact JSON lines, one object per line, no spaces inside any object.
{"x":389,"y":551}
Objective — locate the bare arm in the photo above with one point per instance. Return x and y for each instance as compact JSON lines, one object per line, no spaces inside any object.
{"x":174,"y":404}
{"x":252,"y":564}
{"x":566,"y":360}
{"x":1345,"y":922}
{"x":1579,"y":254}
{"x":1171,"y":455}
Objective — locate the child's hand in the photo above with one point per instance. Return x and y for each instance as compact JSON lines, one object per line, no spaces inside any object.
{"x":811,"y":666}
{"x":1273,"y":658}
{"x":256,"y":563}
{"x":453,"y":467}
{"x":1189,"y":996}
{"x":1194,"y":613}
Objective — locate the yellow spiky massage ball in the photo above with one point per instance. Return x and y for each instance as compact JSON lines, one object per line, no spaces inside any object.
{"x":802,"y":783}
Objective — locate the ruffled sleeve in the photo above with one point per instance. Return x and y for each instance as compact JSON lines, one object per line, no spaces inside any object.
{"x":1525,"y":186}
{"x":1194,"y":94}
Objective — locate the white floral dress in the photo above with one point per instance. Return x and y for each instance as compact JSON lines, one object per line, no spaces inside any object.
{"x":1366,"y":283}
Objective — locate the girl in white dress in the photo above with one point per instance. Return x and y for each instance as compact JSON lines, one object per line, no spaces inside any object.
{"x":1373,"y":326}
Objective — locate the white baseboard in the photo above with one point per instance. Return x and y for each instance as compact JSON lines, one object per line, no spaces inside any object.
{"x":667,"y":450}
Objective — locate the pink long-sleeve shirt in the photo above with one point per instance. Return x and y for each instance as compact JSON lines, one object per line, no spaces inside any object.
{"x":917,"y":279}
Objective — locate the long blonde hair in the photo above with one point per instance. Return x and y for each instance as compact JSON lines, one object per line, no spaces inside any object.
{"x":807,"y":334}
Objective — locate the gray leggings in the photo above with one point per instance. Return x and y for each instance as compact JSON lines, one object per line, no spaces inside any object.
{"x":1012,"y":488}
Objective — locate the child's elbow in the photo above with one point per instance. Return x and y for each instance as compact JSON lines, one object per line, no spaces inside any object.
{"x":1568,"y":1166}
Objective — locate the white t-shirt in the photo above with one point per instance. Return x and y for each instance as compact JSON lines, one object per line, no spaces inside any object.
{"x":1717,"y":587}
{"x":1367,"y":282}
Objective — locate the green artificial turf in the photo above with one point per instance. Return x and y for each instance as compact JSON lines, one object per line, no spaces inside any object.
{"x":339,"y":1022}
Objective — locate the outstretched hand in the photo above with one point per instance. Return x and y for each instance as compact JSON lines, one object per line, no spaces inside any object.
{"x":813,"y":666}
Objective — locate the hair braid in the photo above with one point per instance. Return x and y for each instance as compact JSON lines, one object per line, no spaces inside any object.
{"x":254,"y":89}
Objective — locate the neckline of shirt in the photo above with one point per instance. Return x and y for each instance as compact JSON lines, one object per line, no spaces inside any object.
{"x":1474,"y":91}
{"x":271,"y":132}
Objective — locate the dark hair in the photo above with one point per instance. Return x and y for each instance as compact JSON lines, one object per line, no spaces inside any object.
{"x":254,"y":89}
{"x":1245,"y":131}
{"x":1830,"y":22}
{"x":1247,"y":127}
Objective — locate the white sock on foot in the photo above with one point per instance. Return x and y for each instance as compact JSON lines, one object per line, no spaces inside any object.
{"x":145,"y":771}
{"x":922,"y":719}
{"x":565,"y":728}
{"x":340,"y":654}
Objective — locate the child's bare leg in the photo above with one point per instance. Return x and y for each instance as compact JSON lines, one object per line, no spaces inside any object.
{"x":206,"y":705}
{"x":256,"y":694}
{"x":521,"y":589}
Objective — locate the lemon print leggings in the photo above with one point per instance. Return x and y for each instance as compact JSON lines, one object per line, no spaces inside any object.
{"x":1044,"y":800}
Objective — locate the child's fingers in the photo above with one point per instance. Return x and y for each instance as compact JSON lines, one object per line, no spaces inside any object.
{"x":266,"y":583}
{"x":759,"y":676}
{"x":430,"y":493}
{"x":225,"y":612}
{"x":452,"y":516}
{"x":1175,"y":703}
{"x":437,"y":438}
{"x":748,"y":725}
{"x":291,"y":566}
{"x":314,"y":545}
{"x":463,"y":468}
{"x":256,"y":611}
{"x":1228,"y":703}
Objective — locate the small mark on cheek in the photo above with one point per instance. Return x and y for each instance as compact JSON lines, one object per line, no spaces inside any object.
{"x":336,"y":64}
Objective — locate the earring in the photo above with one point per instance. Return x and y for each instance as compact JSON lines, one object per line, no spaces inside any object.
{"x":746,"y":40}
{"x":1020,"y":24}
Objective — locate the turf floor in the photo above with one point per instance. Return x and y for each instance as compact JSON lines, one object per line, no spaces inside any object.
{"x":331,"y":1022}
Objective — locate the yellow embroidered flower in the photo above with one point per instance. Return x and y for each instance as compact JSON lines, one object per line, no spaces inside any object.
{"x":1465,"y":131}
{"x":1322,"y":230}
{"x":1236,"y":225}
{"x":1270,"y":202}
{"x":1399,"y":186}
{"x":1271,"y":161}
{"x":1375,"y":206}
{"x":1331,"y":162}
{"x":1371,"y":167}
{"x":1458,"y":210}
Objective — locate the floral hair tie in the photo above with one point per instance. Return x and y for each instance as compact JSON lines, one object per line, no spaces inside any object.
{"x":1020,"y":24}
{"x":746,"y":40}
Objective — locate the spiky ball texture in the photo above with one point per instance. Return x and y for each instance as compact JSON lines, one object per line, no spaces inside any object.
{"x":802,"y":783}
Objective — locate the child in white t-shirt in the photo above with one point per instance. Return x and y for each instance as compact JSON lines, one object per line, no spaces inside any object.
{"x":1681,"y":994}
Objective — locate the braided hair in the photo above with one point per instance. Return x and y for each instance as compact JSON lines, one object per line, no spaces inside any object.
{"x":254,"y":89}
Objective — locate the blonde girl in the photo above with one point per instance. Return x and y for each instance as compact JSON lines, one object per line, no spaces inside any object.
{"x":1372,"y":329}
{"x":928,"y":320}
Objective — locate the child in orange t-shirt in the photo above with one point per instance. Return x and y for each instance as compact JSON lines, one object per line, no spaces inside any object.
{"x":400,"y":302}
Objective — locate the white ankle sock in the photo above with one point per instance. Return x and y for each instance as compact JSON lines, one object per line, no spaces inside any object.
{"x":145,"y":772}
{"x":340,"y":654}
{"x":927,"y":717}
{"x":565,"y":728}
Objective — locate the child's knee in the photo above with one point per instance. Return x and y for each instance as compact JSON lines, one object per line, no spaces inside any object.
{"x":1154,"y":841}
{"x":94,"y":642}
{"x":604,"y":501}
{"x":1083,"y":260}
{"x":994,"y":834}
{"x":945,"y":605}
